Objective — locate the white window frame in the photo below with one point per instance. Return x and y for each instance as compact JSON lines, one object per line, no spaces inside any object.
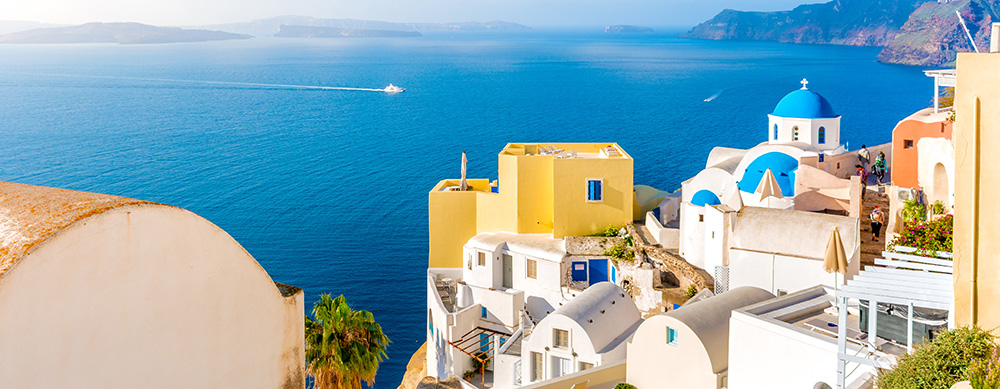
{"x":481,"y":258}
{"x":555,"y":339}
{"x":527,"y":268}
{"x":586,"y":193}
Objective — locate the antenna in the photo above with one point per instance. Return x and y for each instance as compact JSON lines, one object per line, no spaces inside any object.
{"x":967,"y":33}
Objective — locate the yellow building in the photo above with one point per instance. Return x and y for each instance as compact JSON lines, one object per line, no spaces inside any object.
{"x":563,"y":189}
{"x":977,"y":181}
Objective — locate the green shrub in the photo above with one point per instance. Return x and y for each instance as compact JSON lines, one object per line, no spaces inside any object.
{"x":935,"y":235}
{"x":937,"y":207}
{"x":914,"y":212}
{"x":622,"y":385}
{"x":941,"y":363}
{"x":620,"y":252}
{"x":609,"y":231}
{"x":691,"y":291}
{"x":985,"y":374}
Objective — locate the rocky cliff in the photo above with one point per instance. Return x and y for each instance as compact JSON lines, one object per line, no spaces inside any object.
{"x":933,"y":35}
{"x":842,"y":22}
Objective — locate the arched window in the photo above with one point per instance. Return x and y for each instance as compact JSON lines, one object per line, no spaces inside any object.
{"x":775,"y":132}
{"x":822,"y":135}
{"x":795,"y":133}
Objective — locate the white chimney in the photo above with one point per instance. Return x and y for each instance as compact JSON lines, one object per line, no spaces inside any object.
{"x":995,"y":38}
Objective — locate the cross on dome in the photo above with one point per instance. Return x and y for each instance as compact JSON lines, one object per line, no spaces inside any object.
{"x":804,"y":83}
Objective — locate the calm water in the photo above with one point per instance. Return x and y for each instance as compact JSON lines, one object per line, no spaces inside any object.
{"x":327,"y":189}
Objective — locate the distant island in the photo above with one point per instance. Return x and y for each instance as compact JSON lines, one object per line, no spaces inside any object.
{"x":9,"y":26}
{"x":912,"y":32}
{"x":335,"y":32}
{"x":271,"y":26}
{"x":122,"y":33}
{"x":622,"y":28}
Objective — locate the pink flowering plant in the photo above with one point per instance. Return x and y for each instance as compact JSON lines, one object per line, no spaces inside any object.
{"x":927,"y":237}
{"x":985,"y":373}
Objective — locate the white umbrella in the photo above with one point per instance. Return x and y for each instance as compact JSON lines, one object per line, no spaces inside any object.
{"x":768,"y":187}
{"x":462,"y":185}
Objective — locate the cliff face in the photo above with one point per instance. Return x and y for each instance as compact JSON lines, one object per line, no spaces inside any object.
{"x":933,"y":36}
{"x":842,"y":22}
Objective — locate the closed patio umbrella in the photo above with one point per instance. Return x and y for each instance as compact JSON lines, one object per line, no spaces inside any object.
{"x":462,"y":185}
{"x":835,"y":260}
{"x":768,"y":187}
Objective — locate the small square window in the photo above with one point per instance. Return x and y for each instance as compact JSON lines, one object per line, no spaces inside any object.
{"x":532,"y":269}
{"x":482,"y":312}
{"x":671,"y":336}
{"x":907,"y":143}
{"x":701,"y":218}
{"x":560,"y":338}
{"x":821,"y":157}
{"x":595,"y":190}
{"x":482,"y":259}
{"x":585,"y":366}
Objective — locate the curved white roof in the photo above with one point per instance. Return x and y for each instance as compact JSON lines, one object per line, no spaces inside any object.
{"x":541,"y":246}
{"x":604,"y":311}
{"x":709,"y":319}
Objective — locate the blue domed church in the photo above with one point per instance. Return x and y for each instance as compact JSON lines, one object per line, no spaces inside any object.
{"x":805,"y":117}
{"x":801,"y":166}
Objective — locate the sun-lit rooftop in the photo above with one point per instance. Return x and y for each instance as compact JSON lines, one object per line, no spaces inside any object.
{"x":567,"y":150}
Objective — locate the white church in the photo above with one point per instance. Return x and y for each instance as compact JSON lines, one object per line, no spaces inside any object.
{"x":797,"y":180}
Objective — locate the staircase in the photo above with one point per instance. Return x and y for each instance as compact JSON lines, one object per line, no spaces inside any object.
{"x":869,"y":248}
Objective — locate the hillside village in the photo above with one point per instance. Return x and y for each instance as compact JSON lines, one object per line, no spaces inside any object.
{"x":766,"y":269}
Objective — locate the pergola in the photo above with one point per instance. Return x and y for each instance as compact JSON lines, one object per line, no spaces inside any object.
{"x":476,"y":350}
{"x":900,"y":278}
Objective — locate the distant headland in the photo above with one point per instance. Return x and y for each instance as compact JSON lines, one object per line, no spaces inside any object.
{"x":122,"y":33}
{"x":335,"y":32}
{"x":622,"y":28}
{"x":912,"y":32}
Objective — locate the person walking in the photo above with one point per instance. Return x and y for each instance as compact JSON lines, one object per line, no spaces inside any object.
{"x":864,"y":156}
{"x":878,"y":168}
{"x":876,"y":217}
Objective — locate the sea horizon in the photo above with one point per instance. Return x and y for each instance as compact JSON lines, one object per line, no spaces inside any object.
{"x":323,"y":187}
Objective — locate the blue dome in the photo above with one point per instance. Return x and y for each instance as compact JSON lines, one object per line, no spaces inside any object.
{"x":804,"y":104}
{"x":782,"y":165}
{"x":704,"y":197}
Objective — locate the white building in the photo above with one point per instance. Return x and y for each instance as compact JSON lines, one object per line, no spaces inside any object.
{"x":509,"y":283}
{"x":782,"y":250}
{"x":591,"y":330}
{"x":689,"y":346}
{"x":791,"y":342}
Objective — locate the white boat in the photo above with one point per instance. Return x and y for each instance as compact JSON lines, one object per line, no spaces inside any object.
{"x":393,"y":89}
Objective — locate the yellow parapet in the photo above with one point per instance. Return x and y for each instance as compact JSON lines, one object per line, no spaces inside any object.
{"x":552,"y":188}
{"x":977,"y":181}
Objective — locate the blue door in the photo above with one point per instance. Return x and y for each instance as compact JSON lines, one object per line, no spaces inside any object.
{"x":579,"y":270}
{"x":598,"y":271}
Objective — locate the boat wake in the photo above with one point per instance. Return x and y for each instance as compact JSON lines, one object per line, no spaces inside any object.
{"x":230,"y":83}
{"x":713,"y":97}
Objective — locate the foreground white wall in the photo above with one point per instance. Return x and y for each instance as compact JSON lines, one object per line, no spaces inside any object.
{"x":148,"y":295}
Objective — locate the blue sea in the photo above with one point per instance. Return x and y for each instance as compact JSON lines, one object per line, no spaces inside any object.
{"x":328,"y":188}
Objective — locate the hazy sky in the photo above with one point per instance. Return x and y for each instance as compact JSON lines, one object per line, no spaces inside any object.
{"x":531,"y":12}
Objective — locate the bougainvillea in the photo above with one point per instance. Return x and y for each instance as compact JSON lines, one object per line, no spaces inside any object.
{"x":927,"y":237}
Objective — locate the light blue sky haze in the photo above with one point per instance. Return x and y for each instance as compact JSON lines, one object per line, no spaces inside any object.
{"x":537,"y":13}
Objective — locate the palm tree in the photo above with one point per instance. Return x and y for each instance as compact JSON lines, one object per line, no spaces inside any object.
{"x":343,"y":346}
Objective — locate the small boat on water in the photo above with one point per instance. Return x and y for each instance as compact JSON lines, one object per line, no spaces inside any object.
{"x":393,"y":89}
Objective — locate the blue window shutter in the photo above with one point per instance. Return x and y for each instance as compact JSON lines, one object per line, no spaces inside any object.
{"x":483,"y":312}
{"x":599,"y":190}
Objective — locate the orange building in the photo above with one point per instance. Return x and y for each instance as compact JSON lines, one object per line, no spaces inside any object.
{"x":922,"y":124}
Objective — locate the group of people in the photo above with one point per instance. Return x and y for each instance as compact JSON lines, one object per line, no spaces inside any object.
{"x":877,"y":168}
{"x":877,"y":217}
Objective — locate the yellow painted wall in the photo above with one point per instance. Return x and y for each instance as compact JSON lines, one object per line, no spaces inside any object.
{"x":977,"y":181}
{"x":573,"y":215}
{"x":538,"y":194}
{"x":451,"y":218}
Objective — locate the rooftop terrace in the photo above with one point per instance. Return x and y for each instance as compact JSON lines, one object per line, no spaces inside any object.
{"x":567,"y":150}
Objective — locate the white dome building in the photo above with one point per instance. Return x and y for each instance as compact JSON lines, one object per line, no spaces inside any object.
{"x":805,"y":117}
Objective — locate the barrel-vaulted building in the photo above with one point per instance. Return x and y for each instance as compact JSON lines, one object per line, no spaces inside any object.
{"x":105,"y":291}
